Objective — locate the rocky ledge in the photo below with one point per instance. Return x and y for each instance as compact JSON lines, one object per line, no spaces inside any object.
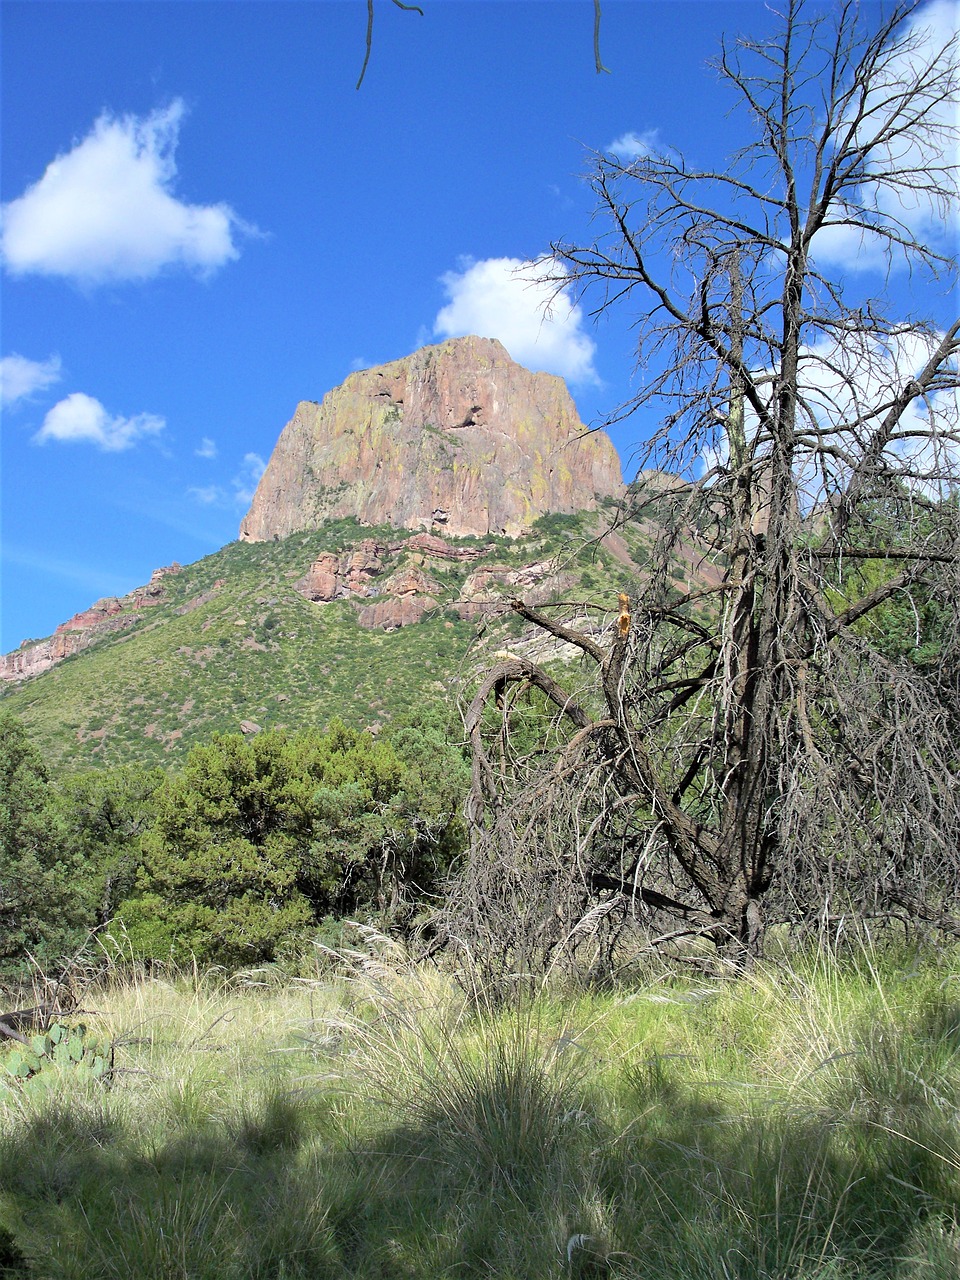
{"x":394,"y":581}
{"x":113,"y":613}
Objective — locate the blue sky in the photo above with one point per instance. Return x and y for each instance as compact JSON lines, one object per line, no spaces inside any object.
{"x":205,"y":222}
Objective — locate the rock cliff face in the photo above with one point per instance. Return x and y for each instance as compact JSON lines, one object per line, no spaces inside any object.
{"x":456,"y":437}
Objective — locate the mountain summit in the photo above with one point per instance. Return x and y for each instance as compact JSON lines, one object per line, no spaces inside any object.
{"x":456,"y":438}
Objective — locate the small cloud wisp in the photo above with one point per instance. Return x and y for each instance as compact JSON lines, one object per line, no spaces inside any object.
{"x":21,"y":378}
{"x":80,"y":419}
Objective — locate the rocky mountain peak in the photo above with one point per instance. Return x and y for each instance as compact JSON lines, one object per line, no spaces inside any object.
{"x":456,"y":437}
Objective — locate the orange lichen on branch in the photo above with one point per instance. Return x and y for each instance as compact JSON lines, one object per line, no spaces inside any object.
{"x":623,"y":622}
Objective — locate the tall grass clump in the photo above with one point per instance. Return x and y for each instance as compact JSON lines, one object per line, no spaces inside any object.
{"x":485,"y":1107}
{"x":377,"y":1118}
{"x":799,"y":1122}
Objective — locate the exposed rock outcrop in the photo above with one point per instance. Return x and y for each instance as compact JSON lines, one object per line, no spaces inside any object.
{"x":336,"y":576}
{"x":409,"y":581}
{"x":455,"y":437}
{"x":358,"y":573}
{"x":489,"y":590}
{"x":31,"y":659}
{"x":113,"y":613}
{"x":333,"y":576}
{"x":431,"y":547}
{"x":394,"y":612}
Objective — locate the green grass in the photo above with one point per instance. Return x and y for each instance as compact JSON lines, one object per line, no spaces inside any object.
{"x":372,"y":1120}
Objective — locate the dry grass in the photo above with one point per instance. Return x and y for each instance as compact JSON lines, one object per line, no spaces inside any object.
{"x":372,"y":1121}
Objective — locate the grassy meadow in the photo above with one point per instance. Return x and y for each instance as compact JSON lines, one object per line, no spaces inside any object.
{"x":375,"y":1120}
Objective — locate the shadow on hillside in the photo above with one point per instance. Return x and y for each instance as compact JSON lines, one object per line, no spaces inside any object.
{"x":669,"y":1178}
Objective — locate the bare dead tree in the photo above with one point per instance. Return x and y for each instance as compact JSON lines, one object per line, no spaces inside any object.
{"x":760,"y":750}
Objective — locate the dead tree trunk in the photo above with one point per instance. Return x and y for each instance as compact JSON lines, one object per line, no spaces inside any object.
{"x":783,"y":744}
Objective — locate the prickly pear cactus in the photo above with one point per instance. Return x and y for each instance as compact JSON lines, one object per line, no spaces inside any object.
{"x":43,"y":1063}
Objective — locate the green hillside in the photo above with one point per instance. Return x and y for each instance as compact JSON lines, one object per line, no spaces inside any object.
{"x":233,"y":640}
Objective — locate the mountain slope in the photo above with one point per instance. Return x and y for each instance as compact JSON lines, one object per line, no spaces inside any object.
{"x":341,"y":597}
{"x":242,"y":636}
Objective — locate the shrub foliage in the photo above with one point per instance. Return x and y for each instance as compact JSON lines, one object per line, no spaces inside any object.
{"x":260,"y":838}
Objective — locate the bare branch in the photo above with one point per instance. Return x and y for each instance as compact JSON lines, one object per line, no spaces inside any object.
{"x":778,"y":739}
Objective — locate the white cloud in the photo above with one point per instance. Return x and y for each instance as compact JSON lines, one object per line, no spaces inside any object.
{"x":636,"y":146}
{"x":242,"y":486}
{"x":928,"y":32}
{"x":106,"y":210}
{"x":207,"y":449}
{"x":207,"y":495}
{"x":80,"y":419}
{"x":246,"y":480}
{"x":20,"y":377}
{"x":846,"y":389}
{"x":507,"y":299}
{"x":844,"y":381}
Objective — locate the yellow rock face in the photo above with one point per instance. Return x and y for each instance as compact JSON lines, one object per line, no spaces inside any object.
{"x":456,"y":437}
